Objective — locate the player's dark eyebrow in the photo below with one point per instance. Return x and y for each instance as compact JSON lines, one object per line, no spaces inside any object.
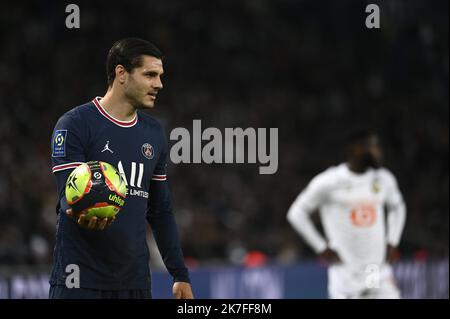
{"x":153,"y":73}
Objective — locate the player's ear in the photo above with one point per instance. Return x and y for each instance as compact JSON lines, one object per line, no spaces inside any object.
{"x":120,"y":73}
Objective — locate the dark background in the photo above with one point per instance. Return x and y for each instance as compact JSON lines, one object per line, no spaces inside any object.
{"x":310,"y":68}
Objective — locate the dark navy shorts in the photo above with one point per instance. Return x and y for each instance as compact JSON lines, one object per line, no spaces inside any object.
{"x":62,"y":292}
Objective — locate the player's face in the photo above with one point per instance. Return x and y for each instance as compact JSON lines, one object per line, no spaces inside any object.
{"x":369,"y":152}
{"x":143,"y":83}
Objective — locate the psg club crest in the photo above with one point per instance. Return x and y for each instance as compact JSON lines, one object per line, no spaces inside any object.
{"x":147,"y":151}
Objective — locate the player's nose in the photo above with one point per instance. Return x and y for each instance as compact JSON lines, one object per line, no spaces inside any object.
{"x":157,"y":85}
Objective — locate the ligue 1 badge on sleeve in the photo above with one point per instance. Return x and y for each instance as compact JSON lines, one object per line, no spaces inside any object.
{"x":59,"y":143}
{"x":147,"y":151}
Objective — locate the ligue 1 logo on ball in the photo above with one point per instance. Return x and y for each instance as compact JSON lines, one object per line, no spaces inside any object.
{"x":147,"y":150}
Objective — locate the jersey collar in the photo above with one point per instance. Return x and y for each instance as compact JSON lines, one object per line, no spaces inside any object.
{"x":103,"y":112}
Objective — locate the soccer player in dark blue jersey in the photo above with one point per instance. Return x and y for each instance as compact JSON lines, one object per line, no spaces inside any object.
{"x":112,"y":255}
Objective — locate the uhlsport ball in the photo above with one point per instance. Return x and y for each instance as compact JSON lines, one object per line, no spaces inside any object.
{"x":97,"y":188}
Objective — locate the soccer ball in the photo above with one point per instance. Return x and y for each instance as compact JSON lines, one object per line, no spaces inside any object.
{"x":96,"y":188}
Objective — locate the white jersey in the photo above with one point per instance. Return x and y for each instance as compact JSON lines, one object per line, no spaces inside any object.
{"x":351,"y":208}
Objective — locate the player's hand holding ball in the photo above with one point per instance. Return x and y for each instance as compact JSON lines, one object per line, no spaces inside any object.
{"x":93,"y":223}
{"x":95,"y":192}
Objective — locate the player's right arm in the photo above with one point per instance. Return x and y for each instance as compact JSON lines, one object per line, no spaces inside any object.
{"x":299,"y":216}
{"x":68,"y":146}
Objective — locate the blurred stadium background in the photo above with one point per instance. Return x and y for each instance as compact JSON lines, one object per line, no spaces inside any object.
{"x":310,"y":68}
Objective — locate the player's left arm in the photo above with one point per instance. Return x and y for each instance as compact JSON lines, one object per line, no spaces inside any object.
{"x":162,"y":221}
{"x":396,"y":217}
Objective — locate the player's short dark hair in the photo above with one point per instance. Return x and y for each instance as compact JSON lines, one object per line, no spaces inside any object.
{"x":359,"y":134}
{"x":128,"y":52}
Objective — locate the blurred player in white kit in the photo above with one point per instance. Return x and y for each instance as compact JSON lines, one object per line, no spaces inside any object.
{"x":351,"y":199}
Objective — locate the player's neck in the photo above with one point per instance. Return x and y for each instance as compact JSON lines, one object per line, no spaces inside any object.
{"x":118,"y":107}
{"x":356,"y":168}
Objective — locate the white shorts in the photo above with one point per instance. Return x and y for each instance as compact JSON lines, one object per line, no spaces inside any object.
{"x":373,"y":282}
